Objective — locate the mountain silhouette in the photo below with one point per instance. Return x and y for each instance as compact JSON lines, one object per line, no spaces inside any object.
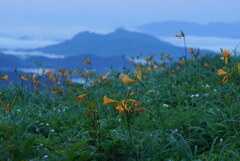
{"x":119,"y":42}
{"x":171,"y":28}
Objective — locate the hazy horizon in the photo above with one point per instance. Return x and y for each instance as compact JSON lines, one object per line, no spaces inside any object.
{"x":64,"y":18}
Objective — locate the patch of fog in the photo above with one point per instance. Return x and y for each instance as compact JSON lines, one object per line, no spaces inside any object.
{"x":79,"y":80}
{"x":38,"y":71}
{"x":25,"y":54}
{"x":212,"y":43}
{"x":15,"y":43}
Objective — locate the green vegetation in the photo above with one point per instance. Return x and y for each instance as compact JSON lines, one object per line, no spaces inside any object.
{"x":181,"y":112}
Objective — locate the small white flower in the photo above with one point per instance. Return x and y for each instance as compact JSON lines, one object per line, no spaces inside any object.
{"x":173,"y":85}
{"x":196,"y":95}
{"x":47,"y":124}
{"x":192,"y":96}
{"x":221,"y":140}
{"x":52,"y":130}
{"x":119,"y":120}
{"x":165,"y":105}
{"x":41,"y":123}
{"x":18,"y":110}
{"x":222,"y":58}
{"x":206,"y":94}
{"x":41,"y":144}
{"x":37,"y":130}
{"x":207,"y":86}
{"x":215,"y":90}
{"x":45,"y":156}
{"x":176,"y":130}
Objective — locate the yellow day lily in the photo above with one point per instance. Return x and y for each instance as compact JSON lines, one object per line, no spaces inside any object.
{"x":35,"y":76}
{"x":87,"y":72}
{"x":60,"y":70}
{"x":23,"y":78}
{"x":108,"y":100}
{"x":87,"y":61}
{"x":48,"y":72}
{"x":150,"y":57}
{"x":122,"y":107}
{"x":167,"y":56}
{"x":75,"y":71}
{"x":126,"y":79}
{"x":225,"y":79}
{"x":81,"y":97}
{"x":135,"y":102}
{"x":54,"y":92}
{"x":139,"y":74}
{"x":5,"y":78}
{"x":67,"y":73}
{"x":226,"y":55}
{"x":1,"y":93}
{"x":105,"y":76}
{"x":206,"y":65}
{"x":181,"y":62}
{"x":222,"y":72}
{"x":191,"y":50}
{"x":149,"y":69}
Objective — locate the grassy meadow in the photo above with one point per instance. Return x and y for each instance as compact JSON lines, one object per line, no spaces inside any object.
{"x":173,"y":111}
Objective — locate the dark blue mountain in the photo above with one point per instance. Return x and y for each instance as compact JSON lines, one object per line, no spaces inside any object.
{"x":120,"y":42}
{"x":171,"y":28}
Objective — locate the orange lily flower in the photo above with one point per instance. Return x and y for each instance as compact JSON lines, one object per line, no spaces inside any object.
{"x":67,"y":73}
{"x":48,"y":72}
{"x":167,"y":56}
{"x":191,"y":50}
{"x":23,"y":78}
{"x":225,"y":79}
{"x":87,"y":72}
{"x":126,"y":79}
{"x":108,"y":100}
{"x":60,"y":70}
{"x":134,"y":101}
{"x":139,"y":74}
{"x":105,"y":76}
{"x":226,"y":55}
{"x":122,"y":107}
{"x":35,"y":76}
{"x":142,"y":110}
{"x":181,"y":62}
{"x":206,"y":65}
{"x":5,"y":78}
{"x":222,"y":72}
{"x":7,"y":108}
{"x":81,"y":97}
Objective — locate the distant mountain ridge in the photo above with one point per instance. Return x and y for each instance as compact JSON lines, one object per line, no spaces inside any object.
{"x":216,"y":29}
{"x":101,"y":64}
{"x":119,"y":42}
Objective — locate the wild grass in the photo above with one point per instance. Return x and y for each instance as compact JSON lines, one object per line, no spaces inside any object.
{"x":189,"y":115}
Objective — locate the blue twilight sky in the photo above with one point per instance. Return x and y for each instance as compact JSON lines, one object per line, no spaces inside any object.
{"x":61,"y":19}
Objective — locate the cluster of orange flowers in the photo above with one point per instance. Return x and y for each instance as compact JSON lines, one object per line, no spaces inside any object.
{"x":125,"y":106}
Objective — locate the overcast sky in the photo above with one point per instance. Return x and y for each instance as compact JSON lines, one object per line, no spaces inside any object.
{"x":63,"y":18}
